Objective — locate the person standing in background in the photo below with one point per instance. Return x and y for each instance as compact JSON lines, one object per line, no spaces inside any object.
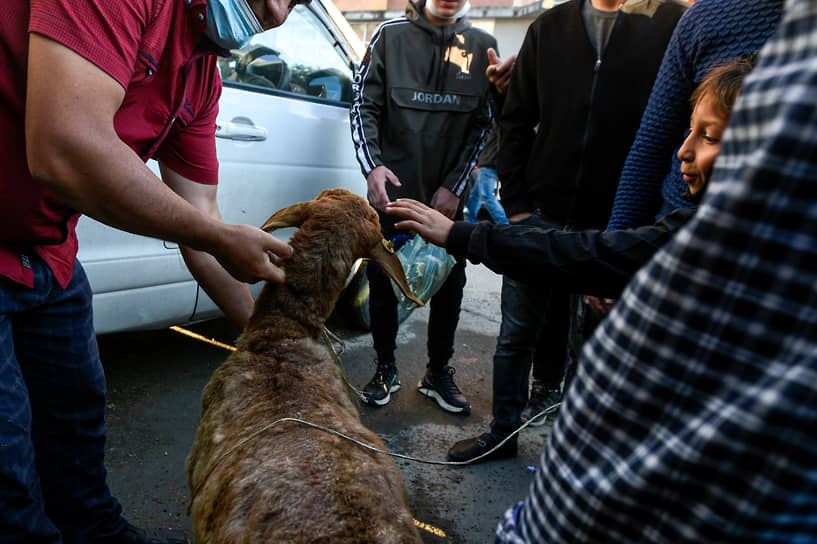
{"x":483,"y":191}
{"x":575,"y":98}
{"x":421,"y":108}
{"x":712,"y":31}
{"x":691,"y":418}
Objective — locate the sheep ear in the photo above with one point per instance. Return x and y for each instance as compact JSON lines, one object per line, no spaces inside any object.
{"x":291,"y":216}
{"x":391,"y":265}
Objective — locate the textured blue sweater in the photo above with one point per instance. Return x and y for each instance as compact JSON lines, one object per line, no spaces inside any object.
{"x":710,"y":32}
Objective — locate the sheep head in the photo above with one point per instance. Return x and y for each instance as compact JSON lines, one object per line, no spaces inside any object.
{"x":348,"y":221}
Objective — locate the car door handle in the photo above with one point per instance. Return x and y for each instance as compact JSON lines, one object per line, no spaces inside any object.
{"x":241,"y":129}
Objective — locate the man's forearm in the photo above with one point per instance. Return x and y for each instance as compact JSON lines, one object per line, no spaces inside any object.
{"x":229,"y":294}
{"x":157,"y":212}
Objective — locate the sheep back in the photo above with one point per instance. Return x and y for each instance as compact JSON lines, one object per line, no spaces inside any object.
{"x":292,"y":483}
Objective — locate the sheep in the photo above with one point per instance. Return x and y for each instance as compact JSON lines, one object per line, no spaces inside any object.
{"x":293,"y":483}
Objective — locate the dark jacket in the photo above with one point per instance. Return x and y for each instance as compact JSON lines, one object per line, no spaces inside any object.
{"x":591,"y":262}
{"x":587,"y":110}
{"x":422,"y":103}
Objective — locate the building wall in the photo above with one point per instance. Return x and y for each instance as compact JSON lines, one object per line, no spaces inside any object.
{"x":369,"y":5}
{"x":509,"y":34}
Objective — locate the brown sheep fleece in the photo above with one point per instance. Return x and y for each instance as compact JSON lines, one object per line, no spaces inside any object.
{"x":294,"y":483}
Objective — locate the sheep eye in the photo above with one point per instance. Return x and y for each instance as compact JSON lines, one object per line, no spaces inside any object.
{"x":388,"y":245}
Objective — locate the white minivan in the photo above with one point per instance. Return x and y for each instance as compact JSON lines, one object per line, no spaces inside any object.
{"x":283,"y":135}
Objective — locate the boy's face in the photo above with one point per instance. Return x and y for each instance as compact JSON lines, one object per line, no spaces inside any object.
{"x":448,"y":8}
{"x":701,"y":146}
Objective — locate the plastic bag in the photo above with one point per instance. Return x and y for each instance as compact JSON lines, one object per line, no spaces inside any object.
{"x":427,"y":267}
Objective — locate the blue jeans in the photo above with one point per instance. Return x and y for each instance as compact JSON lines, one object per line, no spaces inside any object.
{"x":52,"y":415}
{"x":535,"y":323}
{"x":482,"y":194}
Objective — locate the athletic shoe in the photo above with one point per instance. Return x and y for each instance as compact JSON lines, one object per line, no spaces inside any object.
{"x":441,"y":387}
{"x":542,"y":399}
{"x":385,"y":382}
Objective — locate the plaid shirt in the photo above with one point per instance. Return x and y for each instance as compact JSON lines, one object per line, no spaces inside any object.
{"x":693,"y":416}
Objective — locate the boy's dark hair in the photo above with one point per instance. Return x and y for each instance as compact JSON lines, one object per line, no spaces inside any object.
{"x":723,"y":82}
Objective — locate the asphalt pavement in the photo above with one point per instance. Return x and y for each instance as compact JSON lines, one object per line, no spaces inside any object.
{"x":155,"y":381}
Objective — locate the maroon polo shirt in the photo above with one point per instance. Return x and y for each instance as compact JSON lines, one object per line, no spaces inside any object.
{"x":151,"y":48}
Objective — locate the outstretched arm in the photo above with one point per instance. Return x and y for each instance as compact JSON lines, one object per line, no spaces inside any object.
{"x":592,"y":262}
{"x":427,"y":222}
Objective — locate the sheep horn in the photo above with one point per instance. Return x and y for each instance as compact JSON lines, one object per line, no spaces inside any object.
{"x":291,"y":216}
{"x":391,"y":265}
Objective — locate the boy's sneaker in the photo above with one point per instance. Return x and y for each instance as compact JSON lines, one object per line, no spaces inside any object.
{"x":385,"y":382}
{"x":542,"y":399}
{"x":441,"y":387}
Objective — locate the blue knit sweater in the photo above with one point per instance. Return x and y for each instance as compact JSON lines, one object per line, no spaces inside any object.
{"x":710,"y":32}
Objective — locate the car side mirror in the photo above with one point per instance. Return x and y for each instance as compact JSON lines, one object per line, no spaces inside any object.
{"x":328,"y":86}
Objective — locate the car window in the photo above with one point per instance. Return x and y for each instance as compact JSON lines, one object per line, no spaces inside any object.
{"x":300,"y":57}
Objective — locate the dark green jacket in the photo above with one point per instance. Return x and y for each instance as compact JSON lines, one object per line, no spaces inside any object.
{"x":422,"y":103}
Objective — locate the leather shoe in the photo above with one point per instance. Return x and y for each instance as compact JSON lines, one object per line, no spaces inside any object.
{"x":466,"y":450}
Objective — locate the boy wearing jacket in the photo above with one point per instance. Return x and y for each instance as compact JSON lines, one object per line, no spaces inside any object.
{"x":421,"y":108}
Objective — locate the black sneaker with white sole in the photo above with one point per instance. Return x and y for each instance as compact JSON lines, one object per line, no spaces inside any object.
{"x":441,"y":387}
{"x":543,"y":404}
{"x":379,"y":389}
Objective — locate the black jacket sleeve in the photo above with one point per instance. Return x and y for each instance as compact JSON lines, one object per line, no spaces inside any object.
{"x":368,"y":105}
{"x":520,"y":115}
{"x":592,"y":262}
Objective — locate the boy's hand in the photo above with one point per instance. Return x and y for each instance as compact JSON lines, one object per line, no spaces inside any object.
{"x":376,"y":182}
{"x":427,"y":222}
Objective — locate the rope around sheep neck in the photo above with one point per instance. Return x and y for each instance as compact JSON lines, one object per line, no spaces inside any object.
{"x":328,"y":336}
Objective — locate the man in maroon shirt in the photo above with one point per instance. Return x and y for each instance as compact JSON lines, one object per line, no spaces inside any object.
{"x":89,"y":90}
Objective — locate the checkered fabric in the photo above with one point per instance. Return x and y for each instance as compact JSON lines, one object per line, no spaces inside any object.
{"x":693,"y":416}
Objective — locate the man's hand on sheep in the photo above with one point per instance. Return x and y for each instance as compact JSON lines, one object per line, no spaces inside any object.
{"x":425,"y":221}
{"x":249,"y":254}
{"x":376,"y":181}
